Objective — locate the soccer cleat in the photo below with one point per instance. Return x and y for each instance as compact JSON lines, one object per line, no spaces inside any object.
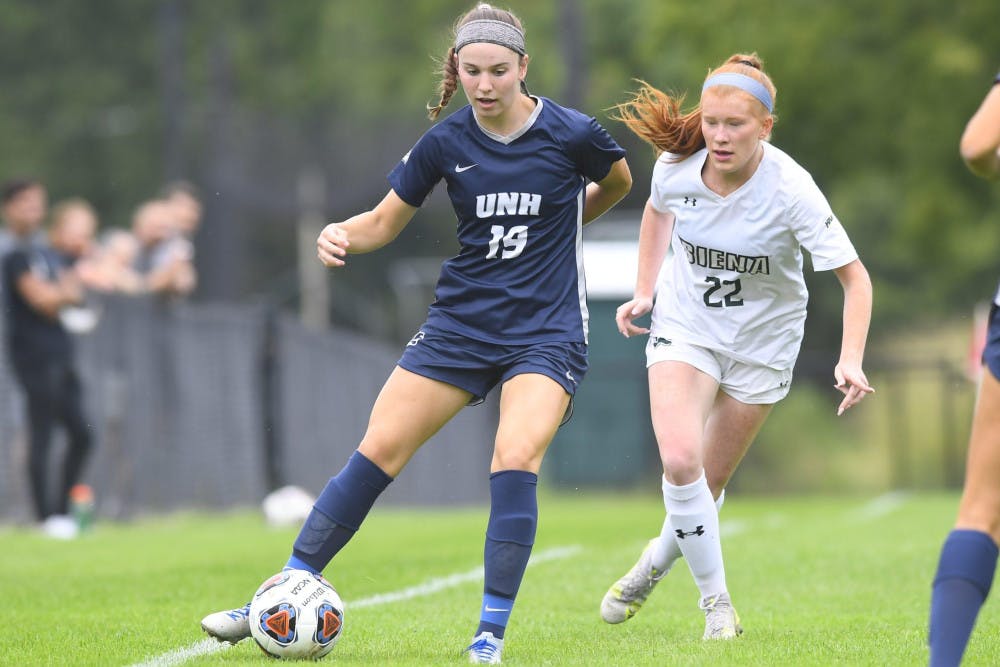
{"x":721,"y":620}
{"x":60,"y":527}
{"x":485,"y":649}
{"x":626,"y":596}
{"x":231,"y":626}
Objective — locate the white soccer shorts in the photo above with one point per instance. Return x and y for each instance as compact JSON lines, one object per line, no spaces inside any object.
{"x":747,"y":383}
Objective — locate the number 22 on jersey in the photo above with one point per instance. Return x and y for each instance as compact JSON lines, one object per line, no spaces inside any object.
{"x":731,"y":296}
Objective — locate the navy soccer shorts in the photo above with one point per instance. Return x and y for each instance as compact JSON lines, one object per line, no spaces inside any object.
{"x":477,"y":366}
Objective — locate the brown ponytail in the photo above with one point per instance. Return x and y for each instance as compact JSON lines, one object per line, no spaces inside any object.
{"x":448,"y":84}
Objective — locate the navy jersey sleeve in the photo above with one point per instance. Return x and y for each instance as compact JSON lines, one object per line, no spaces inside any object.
{"x":418,"y":172}
{"x":594,"y":150}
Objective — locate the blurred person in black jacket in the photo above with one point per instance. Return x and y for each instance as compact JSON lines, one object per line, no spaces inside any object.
{"x":23,"y":202}
{"x":41,"y":284}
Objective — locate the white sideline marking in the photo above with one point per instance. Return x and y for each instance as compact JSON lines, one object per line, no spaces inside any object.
{"x":182,"y":655}
{"x":441,"y":583}
{"x":206,"y":646}
{"x":733,"y":527}
{"x":884,"y":504}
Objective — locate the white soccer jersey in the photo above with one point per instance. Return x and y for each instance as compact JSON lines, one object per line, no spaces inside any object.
{"x":734,"y":282}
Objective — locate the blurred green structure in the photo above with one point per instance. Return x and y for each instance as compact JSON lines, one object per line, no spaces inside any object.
{"x":609,"y":440}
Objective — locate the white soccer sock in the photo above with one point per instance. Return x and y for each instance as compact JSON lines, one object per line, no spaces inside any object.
{"x":665,"y":550}
{"x":694,"y":520}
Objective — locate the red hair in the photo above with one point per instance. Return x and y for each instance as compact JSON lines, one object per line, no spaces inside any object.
{"x":656,"y":117}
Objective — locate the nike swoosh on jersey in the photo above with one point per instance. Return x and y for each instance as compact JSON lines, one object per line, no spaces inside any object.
{"x":460,"y":169}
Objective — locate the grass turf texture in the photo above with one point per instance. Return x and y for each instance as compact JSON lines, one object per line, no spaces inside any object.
{"x":817,"y":581}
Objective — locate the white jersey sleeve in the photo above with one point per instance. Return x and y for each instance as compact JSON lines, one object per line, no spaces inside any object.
{"x":816,"y":227}
{"x":659,"y":190}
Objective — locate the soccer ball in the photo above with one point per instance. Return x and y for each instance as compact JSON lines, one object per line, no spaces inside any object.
{"x":296,"y":614}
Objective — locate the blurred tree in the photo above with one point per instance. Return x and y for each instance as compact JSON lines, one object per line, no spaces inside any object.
{"x":108,"y":100}
{"x":80,"y":103}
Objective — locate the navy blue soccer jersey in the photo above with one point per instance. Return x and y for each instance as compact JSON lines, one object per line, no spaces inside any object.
{"x":518,"y":277}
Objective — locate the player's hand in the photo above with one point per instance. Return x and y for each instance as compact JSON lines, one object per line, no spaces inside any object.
{"x":630,"y":310}
{"x":332,"y":245}
{"x":852,"y":383}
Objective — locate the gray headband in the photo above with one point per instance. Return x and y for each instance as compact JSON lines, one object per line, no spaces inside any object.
{"x":743,"y":82}
{"x":489,"y":30}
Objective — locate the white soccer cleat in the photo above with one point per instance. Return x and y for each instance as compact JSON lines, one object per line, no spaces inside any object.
{"x":231,"y":626}
{"x":60,"y":527}
{"x":626,"y":596}
{"x":485,"y":649}
{"x":721,"y":620}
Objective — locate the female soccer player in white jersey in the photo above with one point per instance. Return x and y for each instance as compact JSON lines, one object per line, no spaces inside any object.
{"x":524,"y":175}
{"x":968,"y":558}
{"x":729,"y":311}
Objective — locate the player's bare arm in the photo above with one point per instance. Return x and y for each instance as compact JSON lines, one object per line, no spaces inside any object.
{"x":980,"y":145}
{"x":364,"y":232}
{"x":654,"y":239}
{"x":607,"y":192}
{"x":850,"y":377}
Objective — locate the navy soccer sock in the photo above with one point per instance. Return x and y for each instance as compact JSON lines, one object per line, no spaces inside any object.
{"x":961,"y":585}
{"x":510,"y":535}
{"x":337,"y":513}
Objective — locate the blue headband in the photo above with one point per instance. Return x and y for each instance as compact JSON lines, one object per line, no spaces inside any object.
{"x":743,"y":82}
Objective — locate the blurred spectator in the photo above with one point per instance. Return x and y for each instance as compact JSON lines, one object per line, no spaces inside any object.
{"x":74,"y":221}
{"x":112,"y":267}
{"x":185,"y":206}
{"x":185,"y":203}
{"x":73,"y":226}
{"x":165,"y":259}
{"x":102,"y":267}
{"x":22,"y":205}
{"x":41,"y":283}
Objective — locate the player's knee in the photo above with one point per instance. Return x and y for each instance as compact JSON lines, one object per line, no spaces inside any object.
{"x":681,"y":465}
{"x":518,"y":451}
{"x":517,"y":459}
{"x":390,"y":457}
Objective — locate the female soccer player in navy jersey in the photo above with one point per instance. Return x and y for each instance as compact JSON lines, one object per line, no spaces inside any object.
{"x":524,"y":175}
{"x":969,"y":555}
{"x":730,"y":309}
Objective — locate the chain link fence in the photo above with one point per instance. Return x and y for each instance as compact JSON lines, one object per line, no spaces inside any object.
{"x":212,"y":406}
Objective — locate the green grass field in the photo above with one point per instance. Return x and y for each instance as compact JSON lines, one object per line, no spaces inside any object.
{"x":817,"y":581}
